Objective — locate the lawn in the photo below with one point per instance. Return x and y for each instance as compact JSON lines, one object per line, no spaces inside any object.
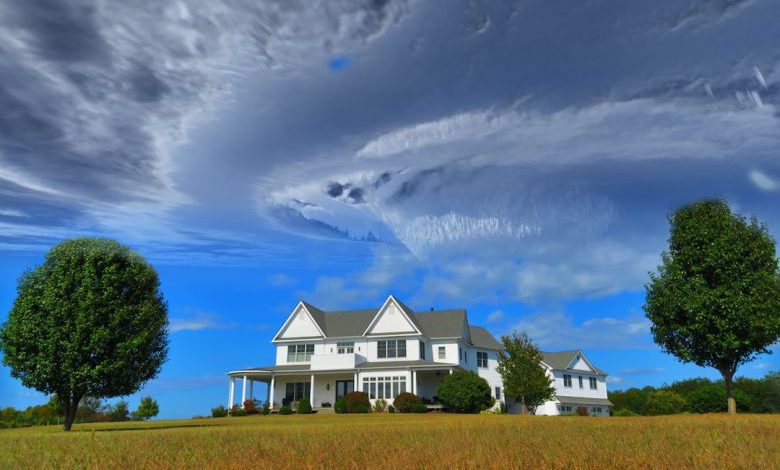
{"x":404,"y":441}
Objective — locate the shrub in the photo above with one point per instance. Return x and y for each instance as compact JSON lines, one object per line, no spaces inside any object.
{"x":219,"y":412}
{"x":237,"y":411}
{"x":664,"y":402}
{"x":250,"y":406}
{"x":285,"y":410}
{"x":465,"y":392}
{"x":380,"y":406}
{"x":266,"y":409}
{"x":355,"y":399}
{"x":582,"y":411}
{"x":391,"y":409}
{"x":304,"y":406}
{"x":360,"y":409}
{"x":418,"y":408}
{"x":624,"y":412}
{"x":403,"y":402}
{"x":341,"y":406}
{"x":713,"y":399}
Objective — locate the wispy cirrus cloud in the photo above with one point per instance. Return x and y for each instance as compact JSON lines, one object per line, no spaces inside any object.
{"x":198,"y":321}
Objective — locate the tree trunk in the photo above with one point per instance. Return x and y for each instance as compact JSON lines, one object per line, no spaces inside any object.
{"x":727,"y":379}
{"x":71,"y":407}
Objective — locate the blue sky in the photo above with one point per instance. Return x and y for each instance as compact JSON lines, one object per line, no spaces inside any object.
{"x":517,"y":159}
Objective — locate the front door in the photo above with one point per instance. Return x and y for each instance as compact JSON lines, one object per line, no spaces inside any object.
{"x":343,"y":387}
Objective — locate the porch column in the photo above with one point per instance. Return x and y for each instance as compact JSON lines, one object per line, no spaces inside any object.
{"x":251,"y":389}
{"x":311,"y":398}
{"x":271,"y":392}
{"x":231,"y":393}
{"x":243,"y":392}
{"x":414,"y":381}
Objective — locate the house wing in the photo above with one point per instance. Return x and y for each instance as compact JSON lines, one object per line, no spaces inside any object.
{"x":570,"y":360}
{"x":302,"y":323}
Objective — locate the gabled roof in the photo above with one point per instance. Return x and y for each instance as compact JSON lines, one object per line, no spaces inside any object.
{"x":433,"y":324}
{"x":562,"y":360}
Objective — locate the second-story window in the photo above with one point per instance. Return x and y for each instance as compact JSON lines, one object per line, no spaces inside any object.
{"x":345,"y":347}
{"x":566,"y":380}
{"x":422,"y":350}
{"x":593,"y":383}
{"x":482,"y":359}
{"x":300,"y":352}
{"x":580,"y":381}
{"x":442,"y":352}
{"x":391,"y":348}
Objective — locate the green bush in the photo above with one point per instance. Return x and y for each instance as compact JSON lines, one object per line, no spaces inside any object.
{"x":624,"y":412}
{"x":237,"y":411}
{"x":285,"y":410}
{"x":266,"y":409}
{"x":418,"y":408}
{"x":341,"y":406}
{"x":713,"y":399}
{"x":360,"y":409}
{"x":304,"y":406}
{"x":218,"y":412}
{"x":356,"y":399}
{"x":391,"y":409}
{"x":465,"y":392}
{"x":403,"y":402}
{"x":250,"y":406}
{"x":664,"y":402}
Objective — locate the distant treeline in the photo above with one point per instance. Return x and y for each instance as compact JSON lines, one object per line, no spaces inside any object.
{"x":91,"y":410}
{"x":699,"y":395}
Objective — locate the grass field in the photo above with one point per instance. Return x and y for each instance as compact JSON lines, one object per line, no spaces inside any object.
{"x":404,"y":441}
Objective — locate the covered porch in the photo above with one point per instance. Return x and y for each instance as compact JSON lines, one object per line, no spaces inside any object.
{"x":286,"y":385}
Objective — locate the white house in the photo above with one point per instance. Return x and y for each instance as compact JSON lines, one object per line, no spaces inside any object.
{"x":384,"y":352}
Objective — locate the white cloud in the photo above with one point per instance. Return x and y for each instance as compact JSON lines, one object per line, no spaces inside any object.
{"x":197,"y":322}
{"x":281,"y":280}
{"x":496,"y":316}
{"x":559,"y":331}
{"x":642,"y":371}
{"x":763,"y":181}
{"x":13,"y":213}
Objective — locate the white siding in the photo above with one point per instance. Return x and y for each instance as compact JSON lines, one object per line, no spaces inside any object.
{"x":391,"y":319}
{"x":300,"y":325}
{"x":490,"y":374}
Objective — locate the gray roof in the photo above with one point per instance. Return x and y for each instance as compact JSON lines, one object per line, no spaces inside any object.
{"x":363,"y":366}
{"x":482,"y":338}
{"x":562,"y":359}
{"x":433,"y":324}
{"x":583,"y":401}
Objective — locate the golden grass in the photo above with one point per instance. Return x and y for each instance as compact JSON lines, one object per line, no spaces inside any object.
{"x":404,"y":441}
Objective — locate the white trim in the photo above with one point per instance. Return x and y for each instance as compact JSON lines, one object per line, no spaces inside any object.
{"x":382,"y":308}
{"x":582,"y":354}
{"x":289,"y":318}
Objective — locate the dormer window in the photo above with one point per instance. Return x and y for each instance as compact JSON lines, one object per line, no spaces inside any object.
{"x":391,"y":348}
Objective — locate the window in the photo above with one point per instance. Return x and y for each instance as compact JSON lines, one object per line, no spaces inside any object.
{"x":422,"y":350}
{"x":466,"y":356}
{"x":593,"y":383}
{"x":345,"y":347}
{"x":296,"y":391}
{"x":442,"y":352}
{"x":580,"y":381}
{"x":498,"y":393}
{"x":596,"y":409}
{"x":460,"y":353}
{"x":482,"y":359}
{"x":391,"y":348}
{"x":566,"y":409}
{"x":386,"y":388}
{"x":566,"y":380}
{"x":300,"y":352}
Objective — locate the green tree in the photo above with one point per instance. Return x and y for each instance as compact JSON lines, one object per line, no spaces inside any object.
{"x":147,"y":408}
{"x":715,"y":300}
{"x":712,"y":399}
{"x":664,"y":402}
{"x":465,"y":392}
{"x":90,"y":321}
{"x":632,"y":399}
{"x":519,"y":365}
{"x":119,"y":412}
